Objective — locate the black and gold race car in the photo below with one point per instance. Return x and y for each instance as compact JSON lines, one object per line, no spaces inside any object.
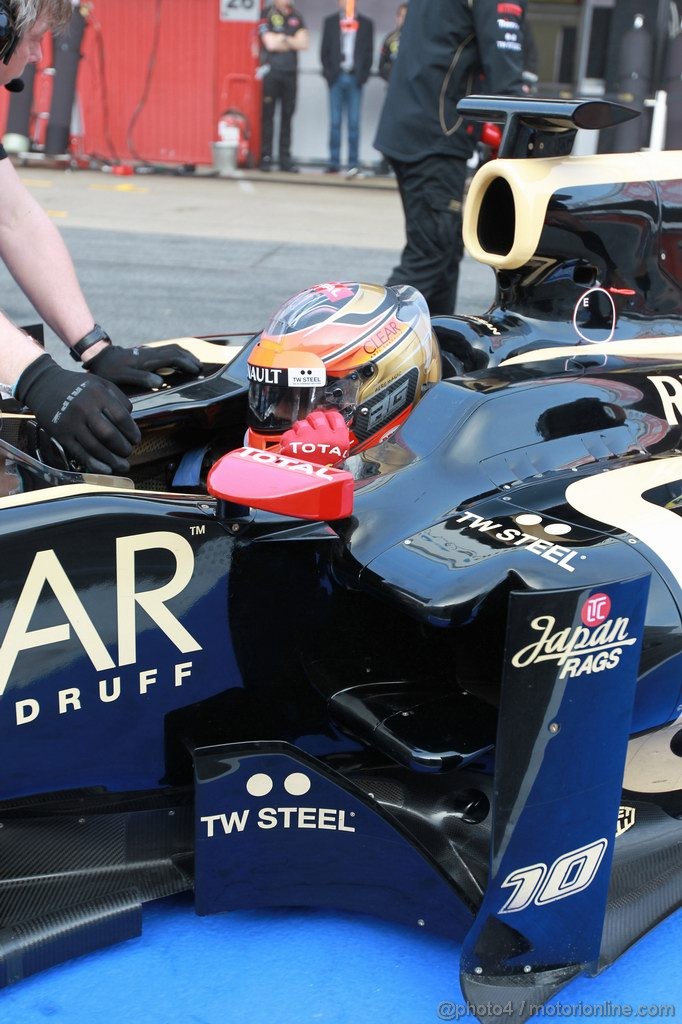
{"x":445,"y":686}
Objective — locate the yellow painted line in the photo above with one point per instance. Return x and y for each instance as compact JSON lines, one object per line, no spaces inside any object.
{"x":57,"y":213}
{"x":123,"y":187}
{"x":35,"y":182}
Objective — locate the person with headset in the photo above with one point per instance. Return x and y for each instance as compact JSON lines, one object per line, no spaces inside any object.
{"x":85,"y":412}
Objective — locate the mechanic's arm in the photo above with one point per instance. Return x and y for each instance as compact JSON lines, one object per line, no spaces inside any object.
{"x":88,"y":416}
{"x":500,"y":48}
{"x":38,"y":260}
{"x":17,"y":351}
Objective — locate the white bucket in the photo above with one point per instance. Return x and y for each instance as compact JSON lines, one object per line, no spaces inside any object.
{"x":225,"y":158}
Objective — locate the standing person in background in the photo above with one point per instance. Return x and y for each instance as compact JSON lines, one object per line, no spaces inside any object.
{"x":444,"y":46}
{"x":282,"y":36}
{"x":387,"y":57}
{"x":346,"y":54}
{"x":390,"y":45}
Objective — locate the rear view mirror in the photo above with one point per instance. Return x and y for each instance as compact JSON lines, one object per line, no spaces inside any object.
{"x":277,"y":483}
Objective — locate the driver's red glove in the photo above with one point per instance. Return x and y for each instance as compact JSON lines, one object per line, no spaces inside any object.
{"x":322,"y":438}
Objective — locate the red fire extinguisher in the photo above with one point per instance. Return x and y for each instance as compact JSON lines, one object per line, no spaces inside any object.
{"x":234,"y":126}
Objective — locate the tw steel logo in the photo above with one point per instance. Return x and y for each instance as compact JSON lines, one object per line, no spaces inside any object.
{"x":47,"y":570}
{"x":260,"y":785}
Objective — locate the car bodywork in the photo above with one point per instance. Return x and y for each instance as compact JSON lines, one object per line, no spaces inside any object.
{"x":455,"y":705}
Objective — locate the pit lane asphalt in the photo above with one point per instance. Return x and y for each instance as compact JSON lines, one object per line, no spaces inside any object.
{"x":166,"y":256}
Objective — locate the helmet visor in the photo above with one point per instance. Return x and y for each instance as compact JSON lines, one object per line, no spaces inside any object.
{"x":273,"y":408}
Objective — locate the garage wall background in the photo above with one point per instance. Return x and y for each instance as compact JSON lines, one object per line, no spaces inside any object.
{"x":156,"y":75}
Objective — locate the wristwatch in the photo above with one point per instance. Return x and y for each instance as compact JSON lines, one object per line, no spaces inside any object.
{"x":87,"y":341}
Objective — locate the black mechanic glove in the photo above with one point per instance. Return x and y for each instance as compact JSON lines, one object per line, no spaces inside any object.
{"x":133,"y":366}
{"x":88,"y":416}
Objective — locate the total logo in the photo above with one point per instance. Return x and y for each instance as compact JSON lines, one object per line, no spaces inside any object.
{"x":595,"y":646}
{"x":258,"y":786}
{"x":284,"y":462}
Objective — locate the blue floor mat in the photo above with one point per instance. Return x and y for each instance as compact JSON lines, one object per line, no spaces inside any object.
{"x":310,"y":967}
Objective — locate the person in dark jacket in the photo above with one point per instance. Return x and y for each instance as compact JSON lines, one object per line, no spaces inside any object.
{"x":346,"y":55}
{"x":391,"y":44}
{"x":282,"y":36}
{"x":445,"y":45}
{"x":387,"y":58}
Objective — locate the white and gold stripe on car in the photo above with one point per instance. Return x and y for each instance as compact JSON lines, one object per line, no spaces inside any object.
{"x":645,"y":349}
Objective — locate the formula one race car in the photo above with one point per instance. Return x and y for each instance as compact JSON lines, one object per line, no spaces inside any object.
{"x":440,"y":684}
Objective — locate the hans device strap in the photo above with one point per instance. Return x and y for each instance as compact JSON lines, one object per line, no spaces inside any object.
{"x":9,"y":37}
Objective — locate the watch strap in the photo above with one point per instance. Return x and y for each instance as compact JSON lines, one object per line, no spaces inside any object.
{"x":87,"y":341}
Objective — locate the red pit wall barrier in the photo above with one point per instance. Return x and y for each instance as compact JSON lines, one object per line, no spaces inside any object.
{"x":156,"y":75}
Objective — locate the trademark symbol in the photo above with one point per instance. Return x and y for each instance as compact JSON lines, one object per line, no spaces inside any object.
{"x":197,"y":530}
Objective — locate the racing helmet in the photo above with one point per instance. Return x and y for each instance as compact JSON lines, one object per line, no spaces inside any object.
{"x":366,"y":350}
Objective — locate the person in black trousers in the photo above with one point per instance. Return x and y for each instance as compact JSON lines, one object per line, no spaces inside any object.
{"x":346,"y":55}
{"x":282,"y":36}
{"x":445,"y":45}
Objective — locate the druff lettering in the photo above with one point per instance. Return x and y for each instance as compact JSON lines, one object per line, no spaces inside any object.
{"x":108,"y":691}
{"x":48,"y":573}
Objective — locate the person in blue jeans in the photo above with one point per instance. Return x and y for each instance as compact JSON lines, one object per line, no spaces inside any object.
{"x":346,"y":56}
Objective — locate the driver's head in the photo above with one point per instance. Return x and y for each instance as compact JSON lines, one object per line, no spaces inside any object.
{"x":363,"y":349}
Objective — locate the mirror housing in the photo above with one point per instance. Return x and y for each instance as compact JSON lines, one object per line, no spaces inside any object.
{"x":276,"y":483}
